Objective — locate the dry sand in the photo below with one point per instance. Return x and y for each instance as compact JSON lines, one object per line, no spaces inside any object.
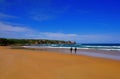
{"x":30,"y":64}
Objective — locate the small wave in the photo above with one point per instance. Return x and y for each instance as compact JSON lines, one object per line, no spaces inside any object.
{"x":79,"y":47}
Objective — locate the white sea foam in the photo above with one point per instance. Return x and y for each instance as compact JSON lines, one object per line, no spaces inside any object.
{"x":111,"y":49}
{"x":93,"y":47}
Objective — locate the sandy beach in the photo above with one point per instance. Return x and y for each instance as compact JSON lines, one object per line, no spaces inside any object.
{"x":30,"y":64}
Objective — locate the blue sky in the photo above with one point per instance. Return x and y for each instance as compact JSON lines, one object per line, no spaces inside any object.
{"x":84,"y":21}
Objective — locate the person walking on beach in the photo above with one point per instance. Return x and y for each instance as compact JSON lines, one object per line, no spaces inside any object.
{"x":71,"y":49}
{"x":75,"y":50}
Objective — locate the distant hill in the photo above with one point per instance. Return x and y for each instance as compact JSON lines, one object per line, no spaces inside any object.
{"x":6,"y":41}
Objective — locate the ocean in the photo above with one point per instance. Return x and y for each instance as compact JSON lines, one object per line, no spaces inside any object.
{"x":81,"y":46}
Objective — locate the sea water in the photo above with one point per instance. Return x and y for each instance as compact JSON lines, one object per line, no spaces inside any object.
{"x":65,"y":48}
{"x":82,"y":46}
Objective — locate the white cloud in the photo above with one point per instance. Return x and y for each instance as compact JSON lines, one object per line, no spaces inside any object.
{"x":59,"y":35}
{"x":3,"y":16}
{"x":12,"y":31}
{"x":12,"y":28}
{"x":52,"y":35}
{"x":44,"y":13}
{"x":42,"y":17}
{"x":96,"y":38}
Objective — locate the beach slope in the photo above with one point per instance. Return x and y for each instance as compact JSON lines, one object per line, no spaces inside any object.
{"x":30,"y":64}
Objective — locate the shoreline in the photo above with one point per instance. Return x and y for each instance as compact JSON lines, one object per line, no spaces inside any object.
{"x":109,"y":54}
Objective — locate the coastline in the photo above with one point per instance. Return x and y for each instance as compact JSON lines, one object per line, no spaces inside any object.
{"x":30,"y":64}
{"x":110,"y":54}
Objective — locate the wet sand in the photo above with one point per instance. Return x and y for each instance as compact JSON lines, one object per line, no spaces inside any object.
{"x":110,"y":54}
{"x":30,"y":64}
{"x":67,"y":50}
